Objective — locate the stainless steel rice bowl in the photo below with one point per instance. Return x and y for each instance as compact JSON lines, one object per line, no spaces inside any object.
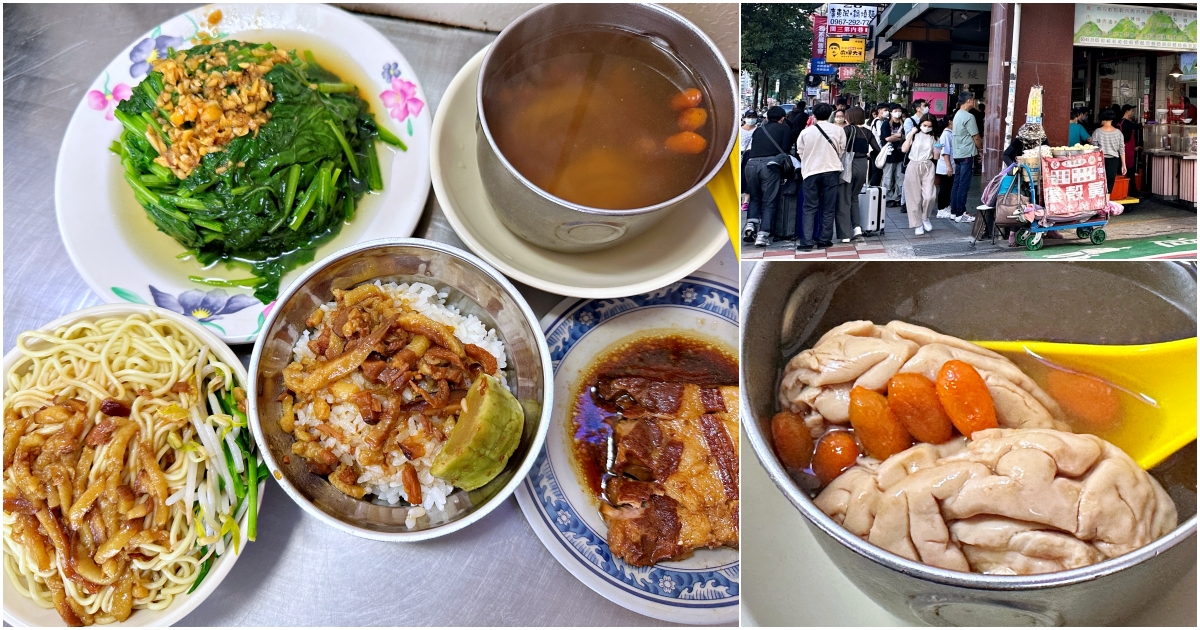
{"x":475,"y":288}
{"x":787,"y":306}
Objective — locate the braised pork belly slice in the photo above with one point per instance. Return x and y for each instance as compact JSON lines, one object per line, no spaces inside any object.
{"x":674,"y":477}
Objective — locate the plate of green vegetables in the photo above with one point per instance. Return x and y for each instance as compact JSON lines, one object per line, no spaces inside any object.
{"x":219,"y":155}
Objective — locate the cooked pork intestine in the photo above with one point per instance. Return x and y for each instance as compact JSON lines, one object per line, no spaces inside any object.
{"x":1012,"y":501}
{"x":817,"y":382}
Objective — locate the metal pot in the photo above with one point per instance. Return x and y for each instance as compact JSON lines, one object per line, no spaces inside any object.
{"x":787,"y":306}
{"x":560,"y":225}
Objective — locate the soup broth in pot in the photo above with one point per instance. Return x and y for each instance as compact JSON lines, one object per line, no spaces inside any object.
{"x":601,"y":117}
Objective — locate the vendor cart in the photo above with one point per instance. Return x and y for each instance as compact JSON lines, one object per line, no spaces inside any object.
{"x":1071,"y":193}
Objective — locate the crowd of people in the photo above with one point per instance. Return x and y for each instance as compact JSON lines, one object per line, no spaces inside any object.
{"x":829,"y":154}
{"x":832,"y":152}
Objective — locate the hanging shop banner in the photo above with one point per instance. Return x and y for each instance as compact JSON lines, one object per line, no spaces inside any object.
{"x":846,"y":72}
{"x":1075,"y":184}
{"x":819,"y":30}
{"x":845,"y":50}
{"x":1187,"y":63}
{"x":850,"y":19}
{"x":935,"y":94}
{"x":817,"y":65}
{"x":1120,"y":26}
{"x":968,"y":72}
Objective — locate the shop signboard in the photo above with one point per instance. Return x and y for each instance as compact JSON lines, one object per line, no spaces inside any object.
{"x":968,"y":56}
{"x":1121,"y":26}
{"x":845,"y":50}
{"x":1187,"y":63}
{"x":968,"y":73}
{"x":935,"y":94}
{"x":846,"y":72}
{"x":817,"y":65}
{"x":1074,"y":185}
{"x":850,"y":19}
{"x":818,"y":43}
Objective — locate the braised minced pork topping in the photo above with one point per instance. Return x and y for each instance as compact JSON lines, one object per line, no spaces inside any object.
{"x":205,"y":104}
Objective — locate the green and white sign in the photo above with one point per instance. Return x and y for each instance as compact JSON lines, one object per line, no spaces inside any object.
{"x":1167,"y":246}
{"x":1120,"y":26}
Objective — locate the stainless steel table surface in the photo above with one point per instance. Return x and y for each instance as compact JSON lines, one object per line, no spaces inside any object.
{"x":300,"y":572}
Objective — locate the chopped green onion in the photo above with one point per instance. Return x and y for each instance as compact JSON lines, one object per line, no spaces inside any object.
{"x":252,"y":496}
{"x":204,"y":567}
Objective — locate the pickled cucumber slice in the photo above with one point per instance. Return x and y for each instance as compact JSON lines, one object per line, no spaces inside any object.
{"x":484,"y":438}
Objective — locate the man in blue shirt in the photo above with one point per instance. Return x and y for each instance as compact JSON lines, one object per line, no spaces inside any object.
{"x":967,"y":143}
{"x":1078,"y":134}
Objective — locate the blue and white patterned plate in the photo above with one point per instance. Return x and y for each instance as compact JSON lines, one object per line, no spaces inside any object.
{"x":700,"y":590}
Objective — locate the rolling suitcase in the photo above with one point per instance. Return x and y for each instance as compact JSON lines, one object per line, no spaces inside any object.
{"x":784,"y":228}
{"x":870,"y":209}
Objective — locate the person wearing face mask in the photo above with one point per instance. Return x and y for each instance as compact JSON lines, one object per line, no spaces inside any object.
{"x":839,"y":118}
{"x":749,"y":124}
{"x":893,"y":170}
{"x":878,"y":116}
{"x":921,"y":147}
{"x":920,"y":108}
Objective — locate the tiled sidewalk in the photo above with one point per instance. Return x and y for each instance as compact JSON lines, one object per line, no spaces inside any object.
{"x":953,"y":240}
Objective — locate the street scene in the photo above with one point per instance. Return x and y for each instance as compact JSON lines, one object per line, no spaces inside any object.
{"x":1011,"y":131}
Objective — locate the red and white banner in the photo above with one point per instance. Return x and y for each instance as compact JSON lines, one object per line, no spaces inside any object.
{"x":1074,"y":185}
{"x":819,"y":30}
{"x":847,"y":72}
{"x":849,"y":30}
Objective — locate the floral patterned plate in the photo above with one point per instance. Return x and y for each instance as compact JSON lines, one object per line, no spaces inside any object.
{"x":703,"y":589}
{"x":116,"y":248}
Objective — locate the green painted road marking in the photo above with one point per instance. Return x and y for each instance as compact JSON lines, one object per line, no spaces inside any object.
{"x":1166,"y":246}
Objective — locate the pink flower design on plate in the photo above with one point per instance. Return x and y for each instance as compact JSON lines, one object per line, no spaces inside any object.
{"x":402,"y":100}
{"x":106,"y":101}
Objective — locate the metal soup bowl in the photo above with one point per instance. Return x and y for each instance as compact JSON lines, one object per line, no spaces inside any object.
{"x":560,"y":225}
{"x":473,"y":287}
{"x":787,"y":306}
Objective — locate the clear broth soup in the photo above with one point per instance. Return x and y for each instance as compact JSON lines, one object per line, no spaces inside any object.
{"x":599,"y":117}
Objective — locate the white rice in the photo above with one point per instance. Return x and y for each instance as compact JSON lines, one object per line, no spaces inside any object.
{"x":384,"y":482}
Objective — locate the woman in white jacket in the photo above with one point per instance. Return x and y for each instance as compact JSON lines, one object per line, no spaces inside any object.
{"x":919,"y":193}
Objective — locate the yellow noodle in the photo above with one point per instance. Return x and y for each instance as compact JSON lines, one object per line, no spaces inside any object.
{"x":113,"y":358}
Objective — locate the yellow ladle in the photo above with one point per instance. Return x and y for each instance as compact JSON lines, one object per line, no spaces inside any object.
{"x":724,"y":189}
{"x":1163,"y":375}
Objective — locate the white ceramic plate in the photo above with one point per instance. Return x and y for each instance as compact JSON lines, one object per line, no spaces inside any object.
{"x":670,"y":250}
{"x":703,"y":589}
{"x":116,"y":248}
{"x":20,"y":611}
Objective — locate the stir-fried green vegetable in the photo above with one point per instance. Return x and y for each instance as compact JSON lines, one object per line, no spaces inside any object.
{"x":269,"y":199}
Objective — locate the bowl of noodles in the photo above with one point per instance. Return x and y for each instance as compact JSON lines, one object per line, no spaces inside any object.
{"x":129,"y":473}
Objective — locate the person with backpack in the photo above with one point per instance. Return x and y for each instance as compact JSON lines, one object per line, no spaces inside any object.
{"x":820,"y":148}
{"x":762,"y":165}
